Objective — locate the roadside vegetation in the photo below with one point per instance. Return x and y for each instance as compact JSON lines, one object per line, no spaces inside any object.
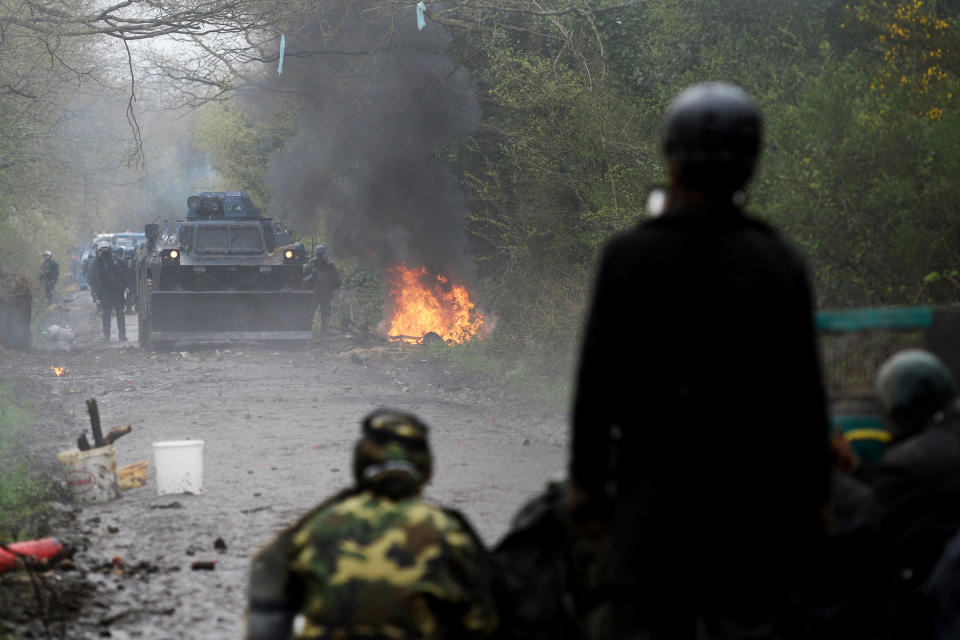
{"x":23,"y":492}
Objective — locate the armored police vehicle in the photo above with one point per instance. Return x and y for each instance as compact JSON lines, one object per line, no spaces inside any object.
{"x":220,"y":275}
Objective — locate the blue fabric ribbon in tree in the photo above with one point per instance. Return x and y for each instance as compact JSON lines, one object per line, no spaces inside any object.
{"x":283,"y":45}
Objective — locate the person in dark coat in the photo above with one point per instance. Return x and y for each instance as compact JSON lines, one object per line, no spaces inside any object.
{"x":108,"y":280}
{"x":130,"y":266}
{"x":943,"y":589}
{"x":49,"y":274}
{"x":917,"y":483}
{"x":321,"y":275}
{"x":699,"y":425}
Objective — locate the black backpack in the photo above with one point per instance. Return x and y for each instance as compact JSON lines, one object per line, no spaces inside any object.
{"x":535,"y":585}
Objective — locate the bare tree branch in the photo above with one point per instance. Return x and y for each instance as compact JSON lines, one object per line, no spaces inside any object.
{"x":134,"y":154}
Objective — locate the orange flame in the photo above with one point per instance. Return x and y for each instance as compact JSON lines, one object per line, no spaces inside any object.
{"x":59,"y":371}
{"x":421,"y":305}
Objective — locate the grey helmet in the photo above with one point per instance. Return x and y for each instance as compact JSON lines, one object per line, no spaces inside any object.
{"x":320,"y":251}
{"x":48,"y":254}
{"x":912,"y":386}
{"x":712,"y":134}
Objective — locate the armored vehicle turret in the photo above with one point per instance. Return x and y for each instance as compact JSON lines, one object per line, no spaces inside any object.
{"x":220,"y":274}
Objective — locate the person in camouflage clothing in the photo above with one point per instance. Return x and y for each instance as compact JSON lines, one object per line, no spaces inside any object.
{"x":376,"y":560}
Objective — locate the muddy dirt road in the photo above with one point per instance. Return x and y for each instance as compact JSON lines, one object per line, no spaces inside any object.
{"x":279,"y":425}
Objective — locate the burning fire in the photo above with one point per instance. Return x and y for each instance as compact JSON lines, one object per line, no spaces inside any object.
{"x":59,"y":371}
{"x":422,"y":304}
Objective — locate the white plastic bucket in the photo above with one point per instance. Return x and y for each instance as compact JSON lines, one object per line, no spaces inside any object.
{"x":91,"y":475}
{"x":179,"y":465}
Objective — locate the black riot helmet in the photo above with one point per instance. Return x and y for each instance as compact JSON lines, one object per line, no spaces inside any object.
{"x":712,"y":135}
{"x":912,"y":385}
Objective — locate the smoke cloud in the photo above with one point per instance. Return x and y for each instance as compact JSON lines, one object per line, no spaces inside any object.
{"x":374,"y":107}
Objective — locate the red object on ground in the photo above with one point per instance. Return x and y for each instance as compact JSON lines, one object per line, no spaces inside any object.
{"x":43,"y":549}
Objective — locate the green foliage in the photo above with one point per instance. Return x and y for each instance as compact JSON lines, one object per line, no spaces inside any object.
{"x":359,"y":301}
{"x":239,"y":145}
{"x":554,"y":168}
{"x":560,"y":162}
{"x":860,"y":177}
{"x":866,"y":185}
{"x":498,"y":360}
{"x":22,"y":493}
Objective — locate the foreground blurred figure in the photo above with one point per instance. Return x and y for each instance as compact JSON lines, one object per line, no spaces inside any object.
{"x":376,"y":561}
{"x":700,"y":433}
{"x":917,"y":484}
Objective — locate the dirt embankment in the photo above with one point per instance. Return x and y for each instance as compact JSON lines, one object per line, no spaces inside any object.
{"x":278,"y":427}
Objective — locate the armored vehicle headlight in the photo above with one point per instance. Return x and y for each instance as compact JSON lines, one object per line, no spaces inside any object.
{"x":288,"y":254}
{"x":174,"y":254}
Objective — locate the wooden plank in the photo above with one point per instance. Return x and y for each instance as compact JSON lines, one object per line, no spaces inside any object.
{"x":95,"y":423}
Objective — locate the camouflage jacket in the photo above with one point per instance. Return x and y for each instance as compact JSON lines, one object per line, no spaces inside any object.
{"x":365,"y":566}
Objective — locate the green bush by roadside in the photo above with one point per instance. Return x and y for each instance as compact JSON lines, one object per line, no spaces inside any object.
{"x":22,"y":492}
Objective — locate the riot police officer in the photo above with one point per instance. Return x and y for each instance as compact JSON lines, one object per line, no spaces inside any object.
{"x":376,"y":560}
{"x":324,"y":279}
{"x":917,"y":483}
{"x":699,"y":426}
{"x":108,"y":280}
{"x":49,"y":274}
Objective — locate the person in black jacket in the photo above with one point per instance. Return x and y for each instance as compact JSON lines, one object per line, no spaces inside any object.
{"x":700,"y":430}
{"x":108,"y":281}
{"x":917,"y":483}
{"x":321,"y":275}
{"x":49,"y":273}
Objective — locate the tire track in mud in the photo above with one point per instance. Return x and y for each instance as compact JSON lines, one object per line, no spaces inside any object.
{"x":279,"y":427}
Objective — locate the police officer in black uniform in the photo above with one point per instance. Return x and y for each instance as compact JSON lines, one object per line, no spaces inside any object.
{"x":130,"y":265}
{"x":49,"y":274}
{"x":321,"y":275}
{"x":700,"y":435}
{"x":108,"y":280}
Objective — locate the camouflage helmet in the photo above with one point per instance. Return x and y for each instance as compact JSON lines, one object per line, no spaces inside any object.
{"x":392,"y":456}
{"x":911,"y":386}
